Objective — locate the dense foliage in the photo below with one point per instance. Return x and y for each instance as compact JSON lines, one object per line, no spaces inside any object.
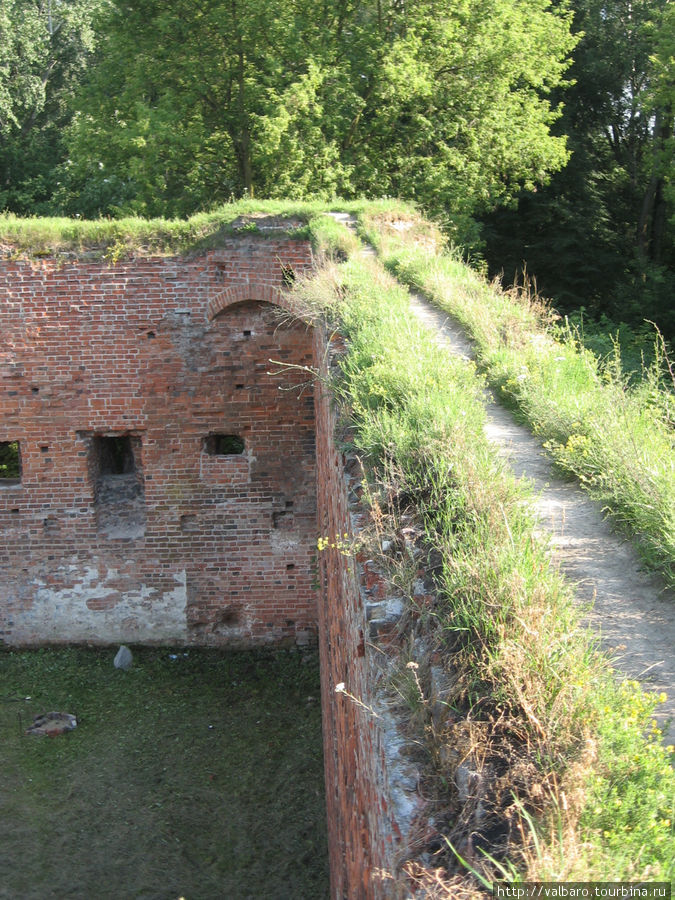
{"x":186,"y":104}
{"x":602,"y":234}
{"x":45,"y":46}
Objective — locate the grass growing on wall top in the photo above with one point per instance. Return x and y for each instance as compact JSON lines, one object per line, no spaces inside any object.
{"x":579,"y":764}
{"x":115,"y":239}
{"x":615,"y":434}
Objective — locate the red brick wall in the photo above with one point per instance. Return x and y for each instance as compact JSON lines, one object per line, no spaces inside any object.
{"x":371,"y":795}
{"x":213,"y":549}
{"x":197,"y":548}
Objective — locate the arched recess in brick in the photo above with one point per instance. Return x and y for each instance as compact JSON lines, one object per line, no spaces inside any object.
{"x":242,"y":293}
{"x":252,"y":542}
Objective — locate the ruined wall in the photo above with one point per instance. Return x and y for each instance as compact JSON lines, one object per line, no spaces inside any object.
{"x":130,"y":390}
{"x":371,"y":786}
{"x":167,"y":486}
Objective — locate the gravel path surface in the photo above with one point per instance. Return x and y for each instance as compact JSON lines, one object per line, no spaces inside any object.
{"x":630,"y":609}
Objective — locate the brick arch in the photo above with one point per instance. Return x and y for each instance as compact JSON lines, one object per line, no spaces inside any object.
{"x":240,"y":293}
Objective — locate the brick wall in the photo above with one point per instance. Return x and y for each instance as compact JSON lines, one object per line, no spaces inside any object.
{"x":123,"y":385}
{"x":371,"y":786}
{"x":151,"y":359}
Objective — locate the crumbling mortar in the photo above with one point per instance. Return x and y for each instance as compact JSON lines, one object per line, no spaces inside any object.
{"x":385,"y":649}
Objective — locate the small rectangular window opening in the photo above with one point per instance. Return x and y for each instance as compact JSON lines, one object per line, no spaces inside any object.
{"x":116,"y":467}
{"x":224,"y":445}
{"x":10,"y":462}
{"x":115,"y":455}
{"x":287,"y":274}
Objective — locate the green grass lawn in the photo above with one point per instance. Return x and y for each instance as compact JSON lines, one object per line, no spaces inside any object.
{"x":198,"y":776}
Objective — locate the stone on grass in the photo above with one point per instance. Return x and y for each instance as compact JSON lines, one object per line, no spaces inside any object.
{"x":123,"y":659}
{"x":51,"y":724}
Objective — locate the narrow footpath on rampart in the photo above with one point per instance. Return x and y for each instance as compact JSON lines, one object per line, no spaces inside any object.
{"x":630,"y":609}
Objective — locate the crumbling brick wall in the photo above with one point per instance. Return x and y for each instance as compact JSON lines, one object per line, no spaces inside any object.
{"x":372,"y":802}
{"x":174,"y":450}
{"x":167,"y":484}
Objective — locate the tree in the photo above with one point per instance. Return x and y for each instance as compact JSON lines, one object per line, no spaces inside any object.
{"x":184,"y":102}
{"x":193,"y":102}
{"x":600,"y":235}
{"x":458,"y":116}
{"x":44,"y":49}
{"x":660,"y":103}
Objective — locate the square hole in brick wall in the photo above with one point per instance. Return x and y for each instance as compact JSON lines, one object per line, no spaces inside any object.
{"x":10,"y":462}
{"x":224,"y":445}
{"x":114,"y":454}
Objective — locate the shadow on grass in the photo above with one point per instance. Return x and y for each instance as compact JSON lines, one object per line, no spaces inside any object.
{"x":194,"y":774}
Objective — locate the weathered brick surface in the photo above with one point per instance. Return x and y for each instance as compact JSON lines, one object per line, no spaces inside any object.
{"x":364,"y":822}
{"x":210,"y":549}
{"x":192,"y":547}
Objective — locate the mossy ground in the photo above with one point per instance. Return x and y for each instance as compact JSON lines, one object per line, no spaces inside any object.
{"x":198,"y":776}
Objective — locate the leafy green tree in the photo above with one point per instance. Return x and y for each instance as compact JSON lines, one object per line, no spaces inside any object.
{"x":458,"y":115}
{"x":193,"y":102}
{"x":44,"y":49}
{"x":601,"y":235}
{"x":185,"y":106}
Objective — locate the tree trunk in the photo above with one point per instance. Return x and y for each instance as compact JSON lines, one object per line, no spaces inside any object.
{"x":242,"y":133}
{"x":652,"y":221}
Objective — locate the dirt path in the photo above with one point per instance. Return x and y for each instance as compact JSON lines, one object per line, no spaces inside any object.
{"x":632,"y":612}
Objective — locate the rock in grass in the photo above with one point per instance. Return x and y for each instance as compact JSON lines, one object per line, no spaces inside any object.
{"x":52,"y":724}
{"x":123,"y":659}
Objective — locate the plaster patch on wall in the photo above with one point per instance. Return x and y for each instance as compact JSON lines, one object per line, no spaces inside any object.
{"x":94,"y":608}
{"x":284,"y":542}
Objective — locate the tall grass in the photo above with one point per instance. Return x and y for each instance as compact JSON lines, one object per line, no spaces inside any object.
{"x":530,"y":698}
{"x":614,"y":434}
